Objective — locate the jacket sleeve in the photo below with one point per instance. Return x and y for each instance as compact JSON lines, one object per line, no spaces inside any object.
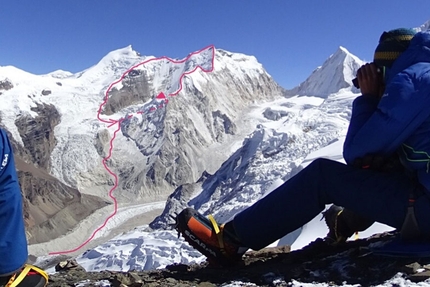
{"x":13,"y":242}
{"x":380,"y":128}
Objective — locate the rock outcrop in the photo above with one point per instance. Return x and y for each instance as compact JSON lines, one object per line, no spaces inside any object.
{"x":5,"y":85}
{"x":37,"y":134}
{"x":351,"y":263}
{"x":135,"y":90}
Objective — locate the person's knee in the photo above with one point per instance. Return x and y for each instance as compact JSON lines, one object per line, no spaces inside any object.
{"x":322,"y":163}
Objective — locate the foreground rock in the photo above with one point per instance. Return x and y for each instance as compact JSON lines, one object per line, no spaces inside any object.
{"x":317,"y":262}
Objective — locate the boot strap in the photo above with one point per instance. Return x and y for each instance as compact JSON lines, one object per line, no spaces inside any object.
{"x":14,"y":281}
{"x":217,"y":232}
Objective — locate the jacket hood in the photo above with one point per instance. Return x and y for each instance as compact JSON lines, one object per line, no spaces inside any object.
{"x":418,"y":51}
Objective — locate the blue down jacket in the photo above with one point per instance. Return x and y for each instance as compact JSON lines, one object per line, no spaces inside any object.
{"x":400,"y":121}
{"x":13,"y":243}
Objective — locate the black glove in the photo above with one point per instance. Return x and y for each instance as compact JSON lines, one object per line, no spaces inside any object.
{"x":379,"y":163}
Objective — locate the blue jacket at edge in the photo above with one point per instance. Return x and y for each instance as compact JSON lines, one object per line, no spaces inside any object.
{"x":13,"y":242}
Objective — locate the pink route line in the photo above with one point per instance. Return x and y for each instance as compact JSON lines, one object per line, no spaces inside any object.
{"x":112,"y":122}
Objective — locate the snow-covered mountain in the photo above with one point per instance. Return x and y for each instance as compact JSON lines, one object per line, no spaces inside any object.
{"x":287,"y":131}
{"x":134,"y":125}
{"x":335,"y":74}
{"x":285,"y":134}
{"x":201,"y":115}
{"x":424,"y":27}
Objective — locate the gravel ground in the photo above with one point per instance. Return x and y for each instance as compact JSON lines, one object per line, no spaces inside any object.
{"x":317,"y":264}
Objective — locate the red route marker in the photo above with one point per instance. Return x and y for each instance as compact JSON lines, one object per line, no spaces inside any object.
{"x":161,"y":96}
{"x":112,"y":122}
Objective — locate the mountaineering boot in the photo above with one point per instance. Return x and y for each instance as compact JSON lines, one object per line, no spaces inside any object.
{"x":215,"y":242}
{"x":337,"y":233}
{"x":28,"y":276}
{"x":343,"y":223}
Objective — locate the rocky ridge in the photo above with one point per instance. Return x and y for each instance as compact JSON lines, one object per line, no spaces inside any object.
{"x":351,"y":263}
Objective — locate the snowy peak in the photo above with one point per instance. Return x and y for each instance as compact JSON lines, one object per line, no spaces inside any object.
{"x":335,"y":74}
{"x":425,"y":26}
{"x":119,"y":55}
{"x":59,"y":74}
{"x":13,"y":73}
{"x":111,"y":66}
{"x":241,"y":61}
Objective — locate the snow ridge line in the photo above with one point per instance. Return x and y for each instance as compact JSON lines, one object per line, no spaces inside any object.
{"x":112,"y":122}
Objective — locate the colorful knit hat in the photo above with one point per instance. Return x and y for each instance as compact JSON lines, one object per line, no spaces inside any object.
{"x":391,"y":45}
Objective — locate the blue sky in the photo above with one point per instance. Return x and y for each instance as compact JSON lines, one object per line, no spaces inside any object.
{"x":290,"y":38}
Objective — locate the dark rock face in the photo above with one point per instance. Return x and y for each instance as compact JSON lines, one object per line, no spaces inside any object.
{"x":38,"y":134}
{"x":274,"y":115}
{"x":176,"y":202}
{"x":222,"y":125}
{"x":6,"y":85}
{"x":135,"y":90}
{"x":101,"y":142}
{"x":318,"y":262}
{"x":51,"y":208}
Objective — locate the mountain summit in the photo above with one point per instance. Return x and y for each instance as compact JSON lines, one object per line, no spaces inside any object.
{"x":335,"y":74}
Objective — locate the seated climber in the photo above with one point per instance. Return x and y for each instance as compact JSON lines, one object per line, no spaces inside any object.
{"x":391,"y":119}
